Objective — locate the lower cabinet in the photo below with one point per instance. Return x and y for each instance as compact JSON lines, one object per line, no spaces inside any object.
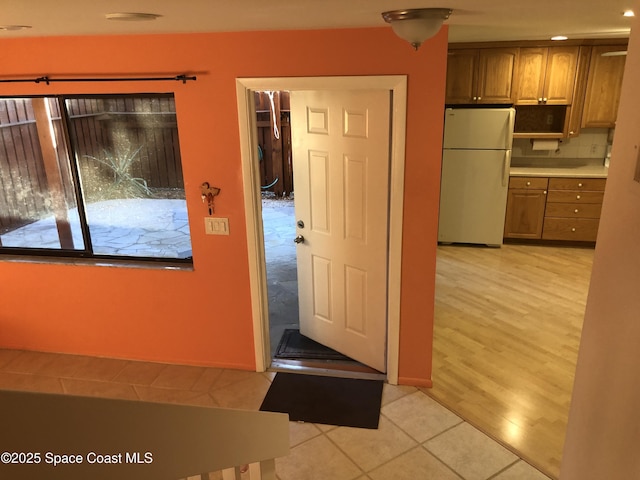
{"x":526,"y":201}
{"x":554,"y":208}
{"x":573,"y":209}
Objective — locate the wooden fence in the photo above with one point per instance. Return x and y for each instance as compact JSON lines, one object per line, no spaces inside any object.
{"x":274,"y":140}
{"x":97,"y":127}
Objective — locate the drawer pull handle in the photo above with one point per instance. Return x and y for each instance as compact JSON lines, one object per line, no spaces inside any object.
{"x":577,"y":197}
{"x":573,"y":229}
{"x":528,"y":184}
{"x":575,"y":211}
{"x":579,"y":185}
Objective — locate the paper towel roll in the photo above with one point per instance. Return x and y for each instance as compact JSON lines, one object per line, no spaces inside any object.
{"x":545,"y":144}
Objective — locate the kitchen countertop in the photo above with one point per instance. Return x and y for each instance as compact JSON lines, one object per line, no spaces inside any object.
{"x":584,"y":168}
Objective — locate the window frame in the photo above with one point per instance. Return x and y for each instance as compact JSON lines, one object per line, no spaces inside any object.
{"x":72,"y":163}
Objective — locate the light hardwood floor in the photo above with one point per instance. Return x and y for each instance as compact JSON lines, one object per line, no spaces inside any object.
{"x":507,"y":331}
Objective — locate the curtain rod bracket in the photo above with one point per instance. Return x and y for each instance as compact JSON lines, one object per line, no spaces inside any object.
{"x":183,"y":78}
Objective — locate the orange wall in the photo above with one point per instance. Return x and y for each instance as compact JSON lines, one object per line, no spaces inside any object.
{"x":204,"y":317}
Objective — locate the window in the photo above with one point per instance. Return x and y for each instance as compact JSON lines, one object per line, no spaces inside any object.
{"x":92,"y":176}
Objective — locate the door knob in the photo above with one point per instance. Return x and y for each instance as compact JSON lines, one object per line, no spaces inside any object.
{"x":299,"y":239}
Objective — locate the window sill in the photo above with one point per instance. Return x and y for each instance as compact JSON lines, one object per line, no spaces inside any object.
{"x":98,"y":262}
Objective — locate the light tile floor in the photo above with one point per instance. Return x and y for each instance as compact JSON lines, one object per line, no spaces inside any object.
{"x":417,"y":438}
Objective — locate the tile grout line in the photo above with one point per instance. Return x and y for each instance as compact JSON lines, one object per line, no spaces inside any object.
{"x":504,"y":469}
{"x":505,"y":445}
{"x":362,"y":471}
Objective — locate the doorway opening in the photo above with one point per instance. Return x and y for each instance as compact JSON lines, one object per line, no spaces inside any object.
{"x":245,"y":88}
{"x":290,"y":350}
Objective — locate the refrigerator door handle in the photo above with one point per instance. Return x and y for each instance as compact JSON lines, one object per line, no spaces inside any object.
{"x":512,"y":120}
{"x":505,"y":168}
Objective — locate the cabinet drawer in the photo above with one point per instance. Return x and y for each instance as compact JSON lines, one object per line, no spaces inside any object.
{"x":537,"y":183}
{"x":572,"y":210}
{"x":572,"y":196}
{"x":594,"y":184}
{"x":577,"y":229}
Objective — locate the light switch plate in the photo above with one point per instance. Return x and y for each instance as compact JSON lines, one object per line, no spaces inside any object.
{"x":216,"y":226}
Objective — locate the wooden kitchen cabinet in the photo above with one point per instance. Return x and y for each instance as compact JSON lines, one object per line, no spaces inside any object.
{"x":546,"y":76}
{"x":573,"y":209}
{"x":555,"y":208}
{"x":480,"y":76}
{"x":604,"y":84}
{"x":574,"y":112}
{"x":526,"y":202}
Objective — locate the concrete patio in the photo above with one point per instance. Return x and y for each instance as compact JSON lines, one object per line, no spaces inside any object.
{"x":142,"y":227}
{"x":282,"y":277}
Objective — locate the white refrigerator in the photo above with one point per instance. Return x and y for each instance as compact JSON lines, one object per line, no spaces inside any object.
{"x":476,"y":158}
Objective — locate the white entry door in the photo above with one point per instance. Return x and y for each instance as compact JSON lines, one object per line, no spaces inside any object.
{"x":341,"y":177}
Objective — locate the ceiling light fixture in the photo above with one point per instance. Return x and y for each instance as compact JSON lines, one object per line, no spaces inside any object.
{"x":628,"y":13}
{"x":416,"y":25}
{"x":132,"y":16}
{"x":13,"y":28}
{"x":559,"y":38}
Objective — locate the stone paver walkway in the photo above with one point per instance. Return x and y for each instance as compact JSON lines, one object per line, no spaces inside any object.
{"x":142,"y":227}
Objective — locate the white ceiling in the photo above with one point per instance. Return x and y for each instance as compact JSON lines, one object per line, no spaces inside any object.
{"x":472,"y":20}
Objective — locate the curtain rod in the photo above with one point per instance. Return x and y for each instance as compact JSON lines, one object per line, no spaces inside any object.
{"x":48,"y":80}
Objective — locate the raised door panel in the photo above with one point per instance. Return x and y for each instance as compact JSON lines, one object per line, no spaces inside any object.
{"x":560,"y":79}
{"x":496,"y":67}
{"x":341,"y":168}
{"x":461,"y":72}
{"x":575,"y":110}
{"x":604,"y":84}
{"x":525,"y":213}
{"x":530,"y":77}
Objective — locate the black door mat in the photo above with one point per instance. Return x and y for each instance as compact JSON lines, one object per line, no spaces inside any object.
{"x":293,"y":345}
{"x":345,"y":402}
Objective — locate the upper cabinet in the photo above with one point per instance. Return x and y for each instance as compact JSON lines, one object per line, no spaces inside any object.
{"x":481,"y":76}
{"x":546,"y":76}
{"x":556,"y":90}
{"x":604,"y":84}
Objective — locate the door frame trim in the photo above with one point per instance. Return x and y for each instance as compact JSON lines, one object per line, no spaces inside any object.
{"x":245,"y":87}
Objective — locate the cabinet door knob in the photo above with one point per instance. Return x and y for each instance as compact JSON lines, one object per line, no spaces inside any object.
{"x":575,"y":211}
{"x":578,"y":197}
{"x":540,"y":100}
{"x":545,"y":192}
{"x":528,"y":184}
{"x":479,"y":98}
{"x":573,"y":229}
{"x":544,"y":100}
{"x":580,"y":185}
